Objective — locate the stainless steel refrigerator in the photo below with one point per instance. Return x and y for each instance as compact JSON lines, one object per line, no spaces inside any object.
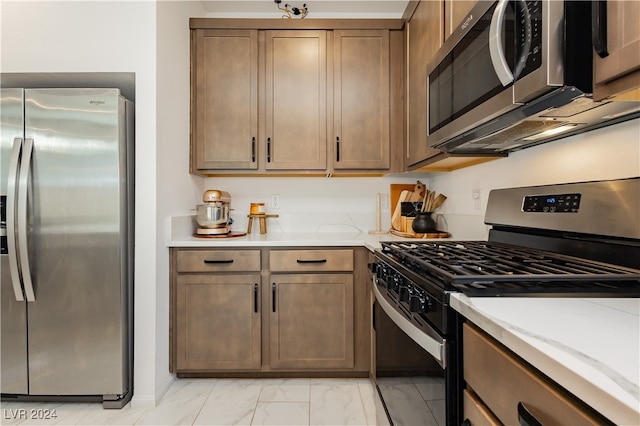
{"x":67,"y":186}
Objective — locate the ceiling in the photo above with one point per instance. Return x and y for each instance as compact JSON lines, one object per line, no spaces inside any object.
{"x":371,"y":9}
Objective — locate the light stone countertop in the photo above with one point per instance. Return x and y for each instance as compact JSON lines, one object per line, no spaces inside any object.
{"x":182,"y":228}
{"x":591,"y":347}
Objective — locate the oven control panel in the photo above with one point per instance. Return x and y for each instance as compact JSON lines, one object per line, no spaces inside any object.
{"x":557,"y":203}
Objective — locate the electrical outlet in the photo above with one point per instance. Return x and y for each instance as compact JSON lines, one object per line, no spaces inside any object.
{"x":384,"y":201}
{"x":275,"y":201}
{"x":476,"y":191}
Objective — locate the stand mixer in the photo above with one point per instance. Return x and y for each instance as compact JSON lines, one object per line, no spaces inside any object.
{"x":213,"y":215}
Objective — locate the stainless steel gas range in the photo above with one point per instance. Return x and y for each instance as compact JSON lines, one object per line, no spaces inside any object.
{"x":566,"y":240}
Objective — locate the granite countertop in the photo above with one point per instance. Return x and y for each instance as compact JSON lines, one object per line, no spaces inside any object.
{"x":591,"y":347}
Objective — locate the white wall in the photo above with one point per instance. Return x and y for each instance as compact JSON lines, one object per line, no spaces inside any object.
{"x":176,"y":189}
{"x":609,"y":153}
{"x":103,"y":36}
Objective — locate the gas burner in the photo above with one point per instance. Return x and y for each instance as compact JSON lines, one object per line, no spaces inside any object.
{"x":476,"y":261}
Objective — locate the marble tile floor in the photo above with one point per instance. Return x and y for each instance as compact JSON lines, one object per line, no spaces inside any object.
{"x":221,"y":402}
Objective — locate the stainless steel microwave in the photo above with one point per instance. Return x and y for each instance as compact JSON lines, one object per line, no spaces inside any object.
{"x":516,"y":74}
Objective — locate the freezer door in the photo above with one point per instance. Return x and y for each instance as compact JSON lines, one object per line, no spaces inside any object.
{"x":13,"y":321}
{"x":77,"y":324}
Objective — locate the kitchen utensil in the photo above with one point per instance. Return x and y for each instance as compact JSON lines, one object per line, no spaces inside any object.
{"x":213,"y":215}
{"x":396,"y":218}
{"x":395,"y":191}
{"x":438,"y":201}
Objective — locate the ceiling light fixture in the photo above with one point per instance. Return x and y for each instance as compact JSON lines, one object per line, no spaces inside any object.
{"x":291,"y":11}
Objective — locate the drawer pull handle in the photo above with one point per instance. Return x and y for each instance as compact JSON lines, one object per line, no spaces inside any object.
{"x":312,"y":261}
{"x":273,"y":297}
{"x":255,"y":298}
{"x":525,"y":417}
{"x":218,"y":261}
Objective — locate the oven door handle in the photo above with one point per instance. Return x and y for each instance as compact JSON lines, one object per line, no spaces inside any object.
{"x":429,"y":339}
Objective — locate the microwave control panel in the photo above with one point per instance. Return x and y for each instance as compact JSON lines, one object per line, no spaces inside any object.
{"x":557,"y":203}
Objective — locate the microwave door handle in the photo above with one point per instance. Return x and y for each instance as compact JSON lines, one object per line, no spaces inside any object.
{"x":23,"y":180}
{"x":500,"y":64}
{"x":521,"y":62}
{"x":599,"y":27}
{"x":12,"y":181}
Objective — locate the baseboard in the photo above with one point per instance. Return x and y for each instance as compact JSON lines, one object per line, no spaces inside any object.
{"x":150,"y":401}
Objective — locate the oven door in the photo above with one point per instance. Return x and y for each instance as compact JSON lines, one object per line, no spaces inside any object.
{"x":409,"y":379}
{"x":489,"y":66}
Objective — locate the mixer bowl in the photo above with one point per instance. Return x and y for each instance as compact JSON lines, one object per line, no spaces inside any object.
{"x":212,"y":215}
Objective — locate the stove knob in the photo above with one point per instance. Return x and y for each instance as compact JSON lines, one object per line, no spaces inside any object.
{"x":394,"y":282}
{"x":420,"y":303}
{"x":417,"y":304}
{"x":404,"y":292}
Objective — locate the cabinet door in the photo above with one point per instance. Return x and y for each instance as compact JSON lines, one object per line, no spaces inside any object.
{"x":218,"y":322}
{"x":296,"y":100}
{"x":424,"y":39}
{"x":224,"y":99}
{"x":311,"y":321}
{"x":454,"y":13}
{"x":620,"y":70}
{"x":361,"y":99}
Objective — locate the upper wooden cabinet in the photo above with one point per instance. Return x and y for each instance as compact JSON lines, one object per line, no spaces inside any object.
{"x":619,"y":72}
{"x":271,"y":100}
{"x":296,"y":100}
{"x":224,"y":96}
{"x":454,"y":12}
{"x":424,"y":38}
{"x":361,"y":99}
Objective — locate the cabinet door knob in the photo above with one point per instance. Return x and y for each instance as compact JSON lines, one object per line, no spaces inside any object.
{"x":337,"y":148}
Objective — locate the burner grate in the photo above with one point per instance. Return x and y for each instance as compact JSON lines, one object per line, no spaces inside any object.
{"x":477,"y":261}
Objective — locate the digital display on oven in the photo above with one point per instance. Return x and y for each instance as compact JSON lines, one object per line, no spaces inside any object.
{"x":564,"y":203}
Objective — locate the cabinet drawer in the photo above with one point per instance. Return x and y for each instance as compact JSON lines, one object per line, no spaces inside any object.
{"x":502,"y":381}
{"x":218,"y":260}
{"x":310,"y":260}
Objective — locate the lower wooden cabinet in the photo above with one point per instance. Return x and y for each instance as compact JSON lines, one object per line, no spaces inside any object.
{"x":218,"y":324}
{"x":311,"y":321}
{"x":269,"y":311}
{"x":502,"y":388}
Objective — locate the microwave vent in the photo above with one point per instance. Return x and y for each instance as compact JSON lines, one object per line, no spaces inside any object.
{"x":575,"y":107}
{"x":516,"y":132}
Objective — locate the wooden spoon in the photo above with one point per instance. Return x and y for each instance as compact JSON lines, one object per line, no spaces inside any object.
{"x":438,"y":201}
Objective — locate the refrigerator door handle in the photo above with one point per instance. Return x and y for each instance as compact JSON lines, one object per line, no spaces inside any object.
{"x":23,"y":180}
{"x":12,"y":179}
